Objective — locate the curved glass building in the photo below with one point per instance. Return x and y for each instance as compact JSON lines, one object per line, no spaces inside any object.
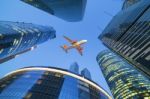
{"x":19,"y":37}
{"x":49,"y":83}
{"x":124,"y":81}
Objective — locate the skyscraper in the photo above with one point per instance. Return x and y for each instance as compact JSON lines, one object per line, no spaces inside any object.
{"x":48,"y":83}
{"x":74,"y":67}
{"x":18,"y":37}
{"x":128,"y":34}
{"x":86,"y":73}
{"x":124,"y":80}
{"x":69,"y":10}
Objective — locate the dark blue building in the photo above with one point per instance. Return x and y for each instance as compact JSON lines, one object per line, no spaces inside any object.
{"x":128,"y":34}
{"x":18,"y":37}
{"x":49,"y":83}
{"x":69,"y":10}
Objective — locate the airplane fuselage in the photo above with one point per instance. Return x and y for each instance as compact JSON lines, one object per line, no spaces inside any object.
{"x":79,"y":43}
{"x":74,"y":44}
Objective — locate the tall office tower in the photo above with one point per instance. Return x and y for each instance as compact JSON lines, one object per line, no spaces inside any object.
{"x":128,"y":34}
{"x":18,"y":37}
{"x":69,"y":10}
{"x":74,"y":67}
{"x":124,"y":80}
{"x":86,"y":73}
{"x":48,"y":83}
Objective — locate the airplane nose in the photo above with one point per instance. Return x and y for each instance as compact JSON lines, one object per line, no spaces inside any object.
{"x":85,"y":40}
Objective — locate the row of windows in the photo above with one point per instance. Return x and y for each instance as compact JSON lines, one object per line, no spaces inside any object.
{"x":134,"y":45}
{"x":124,"y":80}
{"x":32,"y":85}
{"x":17,"y":37}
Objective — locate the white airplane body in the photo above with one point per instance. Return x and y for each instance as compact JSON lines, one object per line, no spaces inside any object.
{"x":74,"y":44}
{"x":79,"y":43}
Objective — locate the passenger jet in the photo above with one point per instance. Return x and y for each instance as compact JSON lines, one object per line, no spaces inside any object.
{"x":74,"y":44}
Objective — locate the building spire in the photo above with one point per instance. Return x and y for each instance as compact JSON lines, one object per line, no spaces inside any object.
{"x":74,"y":67}
{"x":86,"y":73}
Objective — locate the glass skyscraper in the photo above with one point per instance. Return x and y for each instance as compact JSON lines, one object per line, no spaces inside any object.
{"x":69,"y":10}
{"x":74,"y":67}
{"x":124,"y":80}
{"x":86,"y":73}
{"x":128,"y":34}
{"x":48,"y":83}
{"x":19,"y":37}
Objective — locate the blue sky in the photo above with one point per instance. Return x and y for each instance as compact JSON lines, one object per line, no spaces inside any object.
{"x":50,"y":53}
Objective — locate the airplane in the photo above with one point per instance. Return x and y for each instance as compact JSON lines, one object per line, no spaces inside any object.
{"x":74,"y":44}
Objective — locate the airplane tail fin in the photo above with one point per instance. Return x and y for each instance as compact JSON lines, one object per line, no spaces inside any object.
{"x":65,"y":48}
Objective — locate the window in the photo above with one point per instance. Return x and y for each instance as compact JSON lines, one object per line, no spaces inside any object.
{"x":28,"y":96}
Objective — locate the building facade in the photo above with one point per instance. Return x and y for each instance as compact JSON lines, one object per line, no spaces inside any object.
{"x":18,"y":37}
{"x":128,"y":34}
{"x":49,"y":83}
{"x":124,"y":81}
{"x":86,"y":73}
{"x":74,"y":67}
{"x":69,"y":10}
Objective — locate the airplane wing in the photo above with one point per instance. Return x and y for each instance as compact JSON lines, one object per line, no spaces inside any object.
{"x":68,"y":39}
{"x":80,"y":49}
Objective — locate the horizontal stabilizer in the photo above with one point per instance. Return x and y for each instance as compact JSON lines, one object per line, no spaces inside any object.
{"x":65,"y":48}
